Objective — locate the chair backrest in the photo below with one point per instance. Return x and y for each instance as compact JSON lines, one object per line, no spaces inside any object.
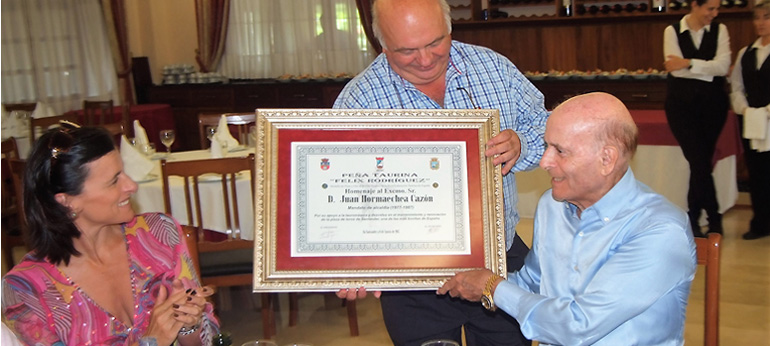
{"x":98,"y":113}
{"x":45,"y":123}
{"x":29,"y":107}
{"x":240,"y":122}
{"x":10,"y":151}
{"x":14,"y":228}
{"x":17,"y":174}
{"x":708,"y":256}
{"x":227,"y":170}
{"x":191,"y":238}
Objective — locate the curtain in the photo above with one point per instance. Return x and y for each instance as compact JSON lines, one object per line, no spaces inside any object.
{"x":115,"y":19}
{"x":311,"y":38}
{"x":212,"y":18}
{"x":55,"y":52}
{"x":365,"y":12}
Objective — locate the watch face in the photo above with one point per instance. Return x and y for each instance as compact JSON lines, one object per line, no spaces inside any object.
{"x":486,"y":302}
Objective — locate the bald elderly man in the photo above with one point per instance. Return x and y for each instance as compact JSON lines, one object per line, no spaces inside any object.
{"x":611,"y":261}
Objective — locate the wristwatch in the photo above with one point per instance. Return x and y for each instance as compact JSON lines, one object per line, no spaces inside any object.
{"x":486,"y":295}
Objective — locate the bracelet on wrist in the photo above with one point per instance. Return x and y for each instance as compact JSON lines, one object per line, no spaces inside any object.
{"x":187,"y":331}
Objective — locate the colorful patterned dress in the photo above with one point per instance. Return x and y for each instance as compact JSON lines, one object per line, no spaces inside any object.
{"x":45,"y":307}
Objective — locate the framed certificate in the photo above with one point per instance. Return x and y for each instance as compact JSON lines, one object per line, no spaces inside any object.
{"x":385,"y":199}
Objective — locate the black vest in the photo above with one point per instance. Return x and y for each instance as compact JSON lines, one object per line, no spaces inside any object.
{"x":708,"y":46}
{"x":756,"y":82}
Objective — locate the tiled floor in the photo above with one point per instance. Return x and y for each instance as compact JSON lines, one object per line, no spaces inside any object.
{"x":744,"y":317}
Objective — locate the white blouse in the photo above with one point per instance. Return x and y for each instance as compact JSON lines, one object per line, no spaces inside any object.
{"x":704,"y":70}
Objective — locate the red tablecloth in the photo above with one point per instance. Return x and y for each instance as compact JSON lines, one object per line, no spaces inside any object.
{"x":654,"y":130}
{"x":153,"y":117}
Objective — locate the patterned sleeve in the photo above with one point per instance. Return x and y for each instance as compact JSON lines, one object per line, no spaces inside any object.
{"x":185,"y":270}
{"x":24,"y":311}
{"x":528,"y":118}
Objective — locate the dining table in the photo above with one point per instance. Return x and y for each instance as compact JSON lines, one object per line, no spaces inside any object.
{"x":149,"y":195}
{"x":659,"y":164}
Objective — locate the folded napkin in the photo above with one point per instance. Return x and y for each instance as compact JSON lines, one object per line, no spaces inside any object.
{"x":9,"y":124}
{"x":756,"y":127}
{"x":136,"y":165}
{"x":223,"y":134}
{"x":42,"y":110}
{"x":216,"y":148}
{"x":140,"y":135}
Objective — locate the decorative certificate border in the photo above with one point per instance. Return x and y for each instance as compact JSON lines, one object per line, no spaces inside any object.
{"x":288,"y":144}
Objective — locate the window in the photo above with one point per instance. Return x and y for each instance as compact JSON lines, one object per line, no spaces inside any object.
{"x":311,"y":38}
{"x":60,"y":62}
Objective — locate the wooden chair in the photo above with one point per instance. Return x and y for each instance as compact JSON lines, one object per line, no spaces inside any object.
{"x":238,"y":121}
{"x":12,"y":210}
{"x":29,"y":107}
{"x":98,"y":112}
{"x":101,"y":113}
{"x":47,"y":122}
{"x":708,"y":256}
{"x":226,"y":168}
{"x":228,"y":274}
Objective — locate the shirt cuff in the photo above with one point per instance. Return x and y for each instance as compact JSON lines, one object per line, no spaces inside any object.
{"x":507,"y":296}
{"x":524,"y":148}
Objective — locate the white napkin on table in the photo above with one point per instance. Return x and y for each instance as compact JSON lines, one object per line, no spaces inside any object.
{"x":136,"y":165}
{"x":9,"y":124}
{"x":756,"y":128}
{"x":140,"y":135}
{"x":216,"y":148}
{"x":223,"y":134}
{"x":42,"y":110}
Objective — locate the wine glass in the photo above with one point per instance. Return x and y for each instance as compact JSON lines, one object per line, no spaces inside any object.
{"x":441,"y":342}
{"x":210,"y":132}
{"x":167,"y":137}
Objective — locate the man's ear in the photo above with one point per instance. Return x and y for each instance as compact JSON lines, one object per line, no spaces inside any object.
{"x":609,"y":157}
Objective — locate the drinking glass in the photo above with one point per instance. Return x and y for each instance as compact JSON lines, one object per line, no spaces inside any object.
{"x":440,"y":343}
{"x":259,"y":343}
{"x":167,"y":137}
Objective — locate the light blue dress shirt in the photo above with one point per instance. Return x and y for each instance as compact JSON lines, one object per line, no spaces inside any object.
{"x":493,"y":83}
{"x":618,"y":275}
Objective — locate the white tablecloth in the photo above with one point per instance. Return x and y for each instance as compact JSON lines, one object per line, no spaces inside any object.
{"x":149,"y":196}
{"x":661,"y":167}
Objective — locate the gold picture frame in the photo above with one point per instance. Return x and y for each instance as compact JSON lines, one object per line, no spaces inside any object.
{"x":384,"y":199}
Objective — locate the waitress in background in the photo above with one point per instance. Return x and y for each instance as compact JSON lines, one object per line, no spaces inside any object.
{"x":697,"y":57}
{"x":750,"y":81}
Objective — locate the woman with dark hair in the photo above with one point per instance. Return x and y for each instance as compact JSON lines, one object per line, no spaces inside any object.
{"x":98,"y":274}
{"x":697,"y":57}
{"x":750,"y":82}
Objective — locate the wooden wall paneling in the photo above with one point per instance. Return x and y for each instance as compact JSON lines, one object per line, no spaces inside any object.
{"x":560,"y":48}
{"x":527,"y":52}
{"x":621,"y":48}
{"x":588,"y":38}
{"x":741,"y":31}
{"x":634,"y":42}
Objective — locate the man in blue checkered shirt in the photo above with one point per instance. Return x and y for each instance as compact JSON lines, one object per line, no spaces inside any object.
{"x":423,"y":68}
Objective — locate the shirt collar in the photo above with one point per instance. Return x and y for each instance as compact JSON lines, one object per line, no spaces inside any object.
{"x":684,"y":27}
{"x":613,"y":201}
{"x":456,"y":68}
{"x":758,"y":44}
